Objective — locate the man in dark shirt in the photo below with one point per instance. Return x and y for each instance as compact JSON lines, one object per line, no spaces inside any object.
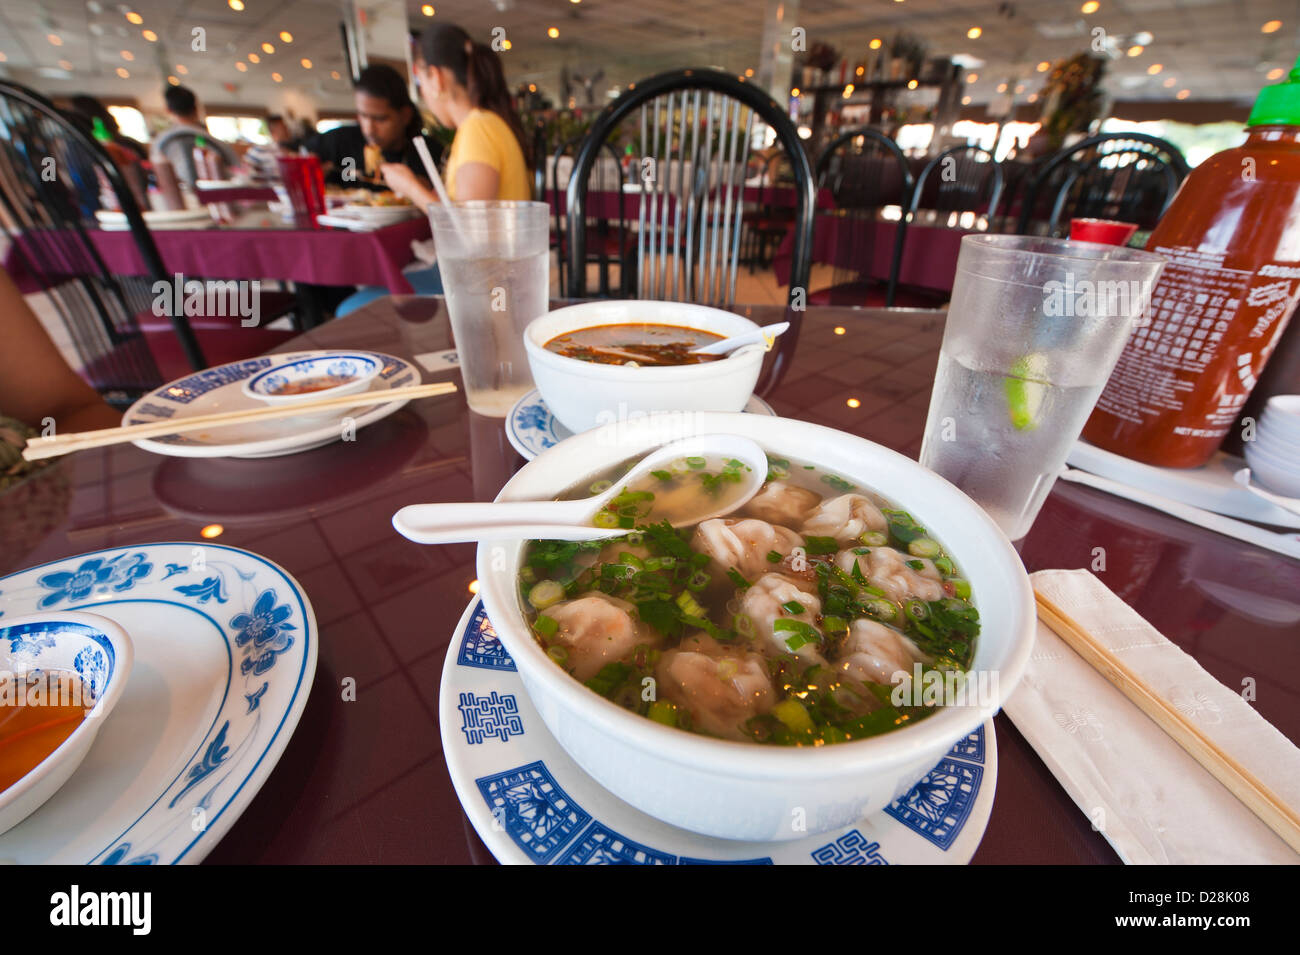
{"x":387,"y":122}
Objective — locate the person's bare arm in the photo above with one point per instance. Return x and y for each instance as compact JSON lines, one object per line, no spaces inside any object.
{"x":476,"y":180}
{"x":35,"y":382}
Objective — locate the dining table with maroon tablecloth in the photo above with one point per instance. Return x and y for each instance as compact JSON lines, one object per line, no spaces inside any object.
{"x":364,"y":780}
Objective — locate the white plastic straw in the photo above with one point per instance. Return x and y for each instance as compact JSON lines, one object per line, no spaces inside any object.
{"x":422,"y":148}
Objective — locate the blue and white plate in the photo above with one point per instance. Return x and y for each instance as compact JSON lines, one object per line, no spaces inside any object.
{"x":219,"y":389}
{"x":531,"y":803}
{"x":532,"y":428}
{"x":225,"y":653}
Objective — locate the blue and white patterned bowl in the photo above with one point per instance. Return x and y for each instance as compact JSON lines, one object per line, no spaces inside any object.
{"x":93,"y":647}
{"x":358,"y":371}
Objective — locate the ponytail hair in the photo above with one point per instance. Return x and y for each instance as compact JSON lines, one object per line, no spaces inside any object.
{"x":477,"y":67}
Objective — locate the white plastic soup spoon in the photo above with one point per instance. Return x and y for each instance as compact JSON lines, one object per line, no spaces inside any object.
{"x":764,"y":336}
{"x":573,"y":520}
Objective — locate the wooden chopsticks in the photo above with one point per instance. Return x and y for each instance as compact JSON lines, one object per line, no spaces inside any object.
{"x":48,"y":447}
{"x":1257,"y":797}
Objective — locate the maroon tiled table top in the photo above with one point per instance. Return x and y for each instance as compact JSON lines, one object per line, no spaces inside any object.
{"x":365,"y":782}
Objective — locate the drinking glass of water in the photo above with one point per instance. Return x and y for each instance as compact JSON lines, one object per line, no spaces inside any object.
{"x":494,"y":260}
{"x":1034,"y":329}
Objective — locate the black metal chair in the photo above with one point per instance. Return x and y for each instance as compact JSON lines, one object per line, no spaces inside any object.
{"x":767,"y":221}
{"x":696,"y":128}
{"x":1127,"y":176}
{"x":864,"y":171}
{"x":607,"y":238}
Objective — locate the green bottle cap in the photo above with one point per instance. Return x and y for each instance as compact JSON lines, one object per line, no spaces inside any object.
{"x":100,"y":131}
{"x":1278,"y":105}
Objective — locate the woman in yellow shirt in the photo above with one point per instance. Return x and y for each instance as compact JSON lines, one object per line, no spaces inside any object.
{"x":464,"y":87}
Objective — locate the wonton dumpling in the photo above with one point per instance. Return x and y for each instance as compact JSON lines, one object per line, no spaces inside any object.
{"x":888,"y":569}
{"x":761,"y":603}
{"x":873,"y":653}
{"x":846,"y":518}
{"x":721,"y":689}
{"x":743,"y":544}
{"x":597,"y":629}
{"x":781,"y":503}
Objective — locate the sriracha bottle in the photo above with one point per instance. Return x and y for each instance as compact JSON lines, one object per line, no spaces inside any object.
{"x":1232,"y":240}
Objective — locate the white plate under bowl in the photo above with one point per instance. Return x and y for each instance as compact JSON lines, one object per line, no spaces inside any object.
{"x":1210,"y":486}
{"x":532,"y":428}
{"x":225,"y":653}
{"x":530,"y":803}
{"x":221,"y":389}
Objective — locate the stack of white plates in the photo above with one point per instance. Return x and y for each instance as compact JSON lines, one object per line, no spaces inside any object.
{"x":200,"y":218}
{"x":1274,"y":454}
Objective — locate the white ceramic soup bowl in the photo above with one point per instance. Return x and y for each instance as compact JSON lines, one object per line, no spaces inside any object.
{"x":752,"y":791}
{"x":583,"y":395}
{"x":93,"y":647}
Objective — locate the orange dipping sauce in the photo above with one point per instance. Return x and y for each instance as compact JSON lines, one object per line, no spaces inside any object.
{"x":38,"y":711}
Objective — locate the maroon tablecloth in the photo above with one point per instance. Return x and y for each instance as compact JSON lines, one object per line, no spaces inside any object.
{"x":260,"y":246}
{"x":364,"y":780}
{"x":929,"y":252}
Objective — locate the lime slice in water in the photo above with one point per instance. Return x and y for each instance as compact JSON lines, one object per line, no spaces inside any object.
{"x":1026,"y":385}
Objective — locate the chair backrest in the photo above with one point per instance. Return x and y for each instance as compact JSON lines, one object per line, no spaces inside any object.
{"x":864,"y":171}
{"x":1128,"y":176}
{"x":609,"y":179}
{"x":959,"y":179}
{"x":539,"y":162}
{"x":51,"y":174}
{"x":696,"y":127}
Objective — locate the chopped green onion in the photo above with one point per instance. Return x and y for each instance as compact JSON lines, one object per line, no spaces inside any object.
{"x":821,"y":545}
{"x":599,"y":486}
{"x":699,"y":580}
{"x":626,"y":522}
{"x":606,"y":519}
{"x":737,"y":578}
{"x":661,"y":711}
{"x":631,"y":560}
{"x":882,"y":609}
{"x":802,"y":633}
{"x":743,"y":624}
{"x":631,"y":497}
{"x":917,"y":611}
{"x":774,"y":557}
{"x":874,"y":539}
{"x":792,"y":606}
{"x":793,"y":714}
{"x":559,"y":654}
{"x":662,"y":475}
{"x":545,"y":625}
{"x":695,"y":463}
{"x":944,"y":566}
{"x":545,"y":593}
{"x":916,"y":565}
{"x":961,"y":587}
{"x":924,"y":547}
{"x":834,"y":623}
{"x":689,"y":605}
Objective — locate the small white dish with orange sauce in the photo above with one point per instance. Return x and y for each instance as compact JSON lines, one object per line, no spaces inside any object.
{"x":314,"y":378}
{"x":61,"y":674}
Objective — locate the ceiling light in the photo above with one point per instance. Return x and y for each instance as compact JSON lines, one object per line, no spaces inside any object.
{"x":1155,"y":68}
{"x":135,"y":18}
{"x":1276,"y":74}
{"x":267,"y":48}
{"x":236,"y":5}
{"x":55,"y":39}
{"x":306,"y":63}
{"x":875,"y":43}
{"x":286,"y":36}
{"x":974,"y":33}
{"x":1002,"y":87}
{"x":334,"y":75}
{"x":182,"y":69}
{"x":254,"y":58}
{"x":1033,"y":97}
{"x":277,"y":77}
{"x":65,"y":65}
{"x":532,"y":87}
{"x":965,"y":101}
{"x":150,"y":36}
{"x":173,"y":81}
{"x":241,"y":66}
{"x":506,"y":44}
{"x":1169,"y":83}
{"x":128,"y":55}
{"x":972,"y":77}
{"x":1135,"y":50}
{"x":1090,"y":7}
{"x":795,"y":91}
{"x":1183,"y":94}
{"x":750,"y":72}
{"x":121,"y":71}
{"x":553,"y":32}
{"x":848,"y":91}
{"x":427,"y":10}
{"x":1044,"y":66}
{"x":1142,"y":39}
{"x":1020,"y":88}
{"x":1271,"y":27}
{"x":911,"y":84}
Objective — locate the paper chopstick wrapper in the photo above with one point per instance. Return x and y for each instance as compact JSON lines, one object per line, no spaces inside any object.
{"x":1151,"y":800}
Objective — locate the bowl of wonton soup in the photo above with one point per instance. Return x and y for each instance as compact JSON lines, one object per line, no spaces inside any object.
{"x":743,"y":789}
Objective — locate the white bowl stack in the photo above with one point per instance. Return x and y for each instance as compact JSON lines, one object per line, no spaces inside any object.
{"x":1274,"y":454}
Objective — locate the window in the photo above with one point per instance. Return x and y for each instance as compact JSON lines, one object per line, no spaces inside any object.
{"x":131,"y":122}
{"x":233,"y":129}
{"x":325,"y":125}
{"x":1197,"y":143}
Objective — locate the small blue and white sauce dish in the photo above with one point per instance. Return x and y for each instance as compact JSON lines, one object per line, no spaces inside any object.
{"x":314,"y":378}
{"x":61,"y":674}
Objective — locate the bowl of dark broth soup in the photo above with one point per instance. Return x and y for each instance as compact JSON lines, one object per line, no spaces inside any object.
{"x":603,"y":361}
{"x":783,"y":670}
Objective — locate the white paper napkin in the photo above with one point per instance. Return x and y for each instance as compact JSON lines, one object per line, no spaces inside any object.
{"x":1151,"y":800}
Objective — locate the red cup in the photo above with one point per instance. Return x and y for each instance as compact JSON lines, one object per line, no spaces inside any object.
{"x":304,"y":180}
{"x":1105,"y":231}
